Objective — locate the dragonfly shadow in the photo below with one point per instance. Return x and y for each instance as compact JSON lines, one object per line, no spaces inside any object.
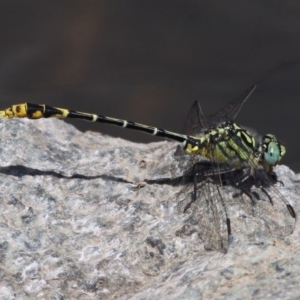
{"x":20,"y":171}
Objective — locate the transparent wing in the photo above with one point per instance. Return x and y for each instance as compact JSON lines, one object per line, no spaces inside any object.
{"x":202,"y":197}
{"x":231,"y":110}
{"x":207,"y":215}
{"x":215,"y":227}
{"x":196,"y":122}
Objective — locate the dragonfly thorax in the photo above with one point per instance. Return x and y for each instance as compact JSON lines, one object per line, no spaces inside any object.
{"x":228,"y":143}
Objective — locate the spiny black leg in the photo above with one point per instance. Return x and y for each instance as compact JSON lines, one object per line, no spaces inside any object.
{"x":228,"y":226}
{"x":194,"y":195}
{"x":291,"y":211}
{"x":266,"y":193}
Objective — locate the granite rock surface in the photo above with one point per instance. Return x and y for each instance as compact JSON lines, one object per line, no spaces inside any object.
{"x":74,"y":225}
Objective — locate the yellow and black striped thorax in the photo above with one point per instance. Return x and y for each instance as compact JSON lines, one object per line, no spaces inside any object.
{"x":226,"y":143}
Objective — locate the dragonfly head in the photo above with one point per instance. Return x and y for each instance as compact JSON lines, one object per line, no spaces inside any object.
{"x":273,"y":151}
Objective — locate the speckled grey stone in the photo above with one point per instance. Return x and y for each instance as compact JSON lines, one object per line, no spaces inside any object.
{"x":73,"y":226}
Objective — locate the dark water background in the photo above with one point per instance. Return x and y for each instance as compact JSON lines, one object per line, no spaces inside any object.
{"x":147,"y":61}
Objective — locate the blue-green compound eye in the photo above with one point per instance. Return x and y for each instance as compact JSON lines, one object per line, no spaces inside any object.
{"x":273,"y":150}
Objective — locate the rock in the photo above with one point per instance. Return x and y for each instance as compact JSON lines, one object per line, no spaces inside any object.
{"x":74,"y":225}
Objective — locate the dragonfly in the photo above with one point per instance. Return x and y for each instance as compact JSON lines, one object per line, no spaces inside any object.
{"x":235,"y":160}
{"x":222,"y":154}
